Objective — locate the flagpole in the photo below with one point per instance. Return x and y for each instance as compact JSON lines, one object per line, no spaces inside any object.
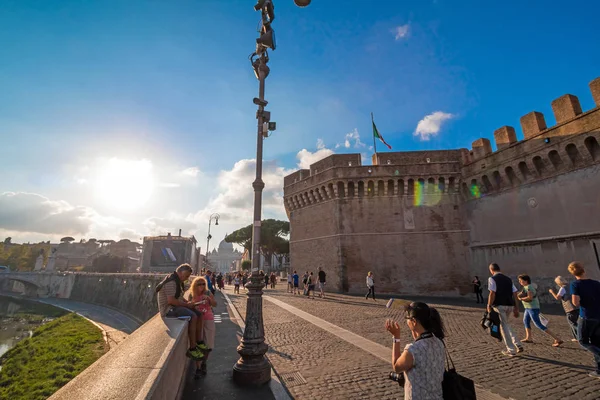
{"x":374,"y":141}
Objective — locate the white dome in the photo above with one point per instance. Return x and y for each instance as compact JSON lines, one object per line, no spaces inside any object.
{"x":225,"y":247}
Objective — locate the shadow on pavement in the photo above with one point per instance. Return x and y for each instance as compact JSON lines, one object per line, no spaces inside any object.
{"x":556,"y":362}
{"x":218,"y":383}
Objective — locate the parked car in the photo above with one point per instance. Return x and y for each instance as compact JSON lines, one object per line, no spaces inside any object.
{"x":4,"y":269}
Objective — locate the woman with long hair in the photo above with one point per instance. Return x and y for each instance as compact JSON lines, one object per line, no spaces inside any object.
{"x":423,"y":361}
{"x":204,"y":300}
{"x":565,"y":298}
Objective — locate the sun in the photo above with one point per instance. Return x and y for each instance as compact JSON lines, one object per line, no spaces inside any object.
{"x":124,"y":184}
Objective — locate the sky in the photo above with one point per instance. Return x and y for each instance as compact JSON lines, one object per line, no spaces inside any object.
{"x":120,"y":119}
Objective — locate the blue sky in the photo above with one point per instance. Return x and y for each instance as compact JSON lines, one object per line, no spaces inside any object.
{"x":102,"y":100}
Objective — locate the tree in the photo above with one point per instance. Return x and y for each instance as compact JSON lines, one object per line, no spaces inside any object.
{"x":246,"y":265}
{"x":273,"y":239}
{"x":8,"y":240}
{"x":108,"y":263}
{"x":67,"y":239}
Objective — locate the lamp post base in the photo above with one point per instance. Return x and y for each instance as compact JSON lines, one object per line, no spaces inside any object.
{"x":252,"y":371}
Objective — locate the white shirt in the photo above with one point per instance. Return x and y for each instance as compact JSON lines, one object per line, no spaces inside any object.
{"x":492,"y":285}
{"x":561,"y":292}
{"x":424,"y":379}
{"x":289,"y":278}
{"x":370,"y":281}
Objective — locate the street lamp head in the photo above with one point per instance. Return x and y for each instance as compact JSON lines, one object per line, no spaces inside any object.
{"x":302,"y":3}
{"x":217,"y":221}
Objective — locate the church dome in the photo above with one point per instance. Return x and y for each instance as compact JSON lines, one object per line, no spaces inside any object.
{"x":225,"y":247}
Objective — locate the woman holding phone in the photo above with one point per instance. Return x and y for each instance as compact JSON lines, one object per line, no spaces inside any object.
{"x":204,"y":301}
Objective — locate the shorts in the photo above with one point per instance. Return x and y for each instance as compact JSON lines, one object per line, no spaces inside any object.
{"x":295,"y":285}
{"x":321,"y":285}
{"x":208,"y":333}
{"x":236,"y":286}
{"x":176,"y":312}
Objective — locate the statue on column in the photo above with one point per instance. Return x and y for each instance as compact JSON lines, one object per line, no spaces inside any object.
{"x":51,"y":260}
{"x":39,"y":262}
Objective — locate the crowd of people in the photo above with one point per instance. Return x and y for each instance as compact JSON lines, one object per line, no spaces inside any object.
{"x":421,"y":362}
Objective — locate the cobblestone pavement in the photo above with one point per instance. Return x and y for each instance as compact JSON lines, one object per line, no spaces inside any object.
{"x":336,"y":369}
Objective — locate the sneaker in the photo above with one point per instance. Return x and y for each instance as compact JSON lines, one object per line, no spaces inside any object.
{"x":520,"y":349}
{"x":202,"y":347}
{"x":595,"y":374}
{"x":197,"y":374}
{"x":508,"y":353}
{"x":195,"y":354}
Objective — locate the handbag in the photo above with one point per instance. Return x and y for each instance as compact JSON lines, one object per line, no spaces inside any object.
{"x":454,"y":385}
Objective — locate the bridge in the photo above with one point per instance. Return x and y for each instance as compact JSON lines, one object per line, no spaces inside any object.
{"x":149,"y":364}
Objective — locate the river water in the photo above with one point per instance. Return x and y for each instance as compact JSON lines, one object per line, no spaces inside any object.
{"x":12,"y":330}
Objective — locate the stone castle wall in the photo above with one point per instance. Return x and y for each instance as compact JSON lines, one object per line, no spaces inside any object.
{"x":425,"y":222}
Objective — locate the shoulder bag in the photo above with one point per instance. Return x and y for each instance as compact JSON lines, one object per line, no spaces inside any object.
{"x":454,"y":385}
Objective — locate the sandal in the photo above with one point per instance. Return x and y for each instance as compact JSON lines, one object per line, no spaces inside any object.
{"x":557,"y":343}
{"x":526,"y":341}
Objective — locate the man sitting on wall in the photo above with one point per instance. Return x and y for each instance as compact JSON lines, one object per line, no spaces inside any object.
{"x":171,"y":304}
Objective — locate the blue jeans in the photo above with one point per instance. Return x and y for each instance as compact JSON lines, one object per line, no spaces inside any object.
{"x":533,"y":314}
{"x":588,"y":330}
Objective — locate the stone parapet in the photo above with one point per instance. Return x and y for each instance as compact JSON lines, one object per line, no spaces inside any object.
{"x":150,"y":364}
{"x":565,"y":108}
{"x":532,"y":124}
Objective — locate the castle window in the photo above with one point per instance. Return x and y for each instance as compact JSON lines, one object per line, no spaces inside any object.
{"x":592,"y":147}
{"x":512,"y":177}
{"x":465,"y":190}
{"x":430,"y":185}
{"x":331,"y":191}
{"x":350,"y":189}
{"x":371,"y":188}
{"x":487,"y":183}
{"x":555,"y":159}
{"x":411,"y":187}
{"x":401,"y":187}
{"x":573,"y":154}
{"x":442,"y":185}
{"x":380,"y":188}
{"x":497,"y":178}
{"x":451,"y":185}
{"x":390,"y":185}
{"x":341,"y":190}
{"x":361,"y":189}
{"x":538,"y":163}
{"x":524,"y":170}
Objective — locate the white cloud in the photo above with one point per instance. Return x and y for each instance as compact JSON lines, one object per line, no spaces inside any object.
{"x":170,"y":224}
{"x":352,"y":139}
{"x":130,"y":234}
{"x":401,"y":32}
{"x":306,"y":157}
{"x":191,"y":171}
{"x":431,"y":124}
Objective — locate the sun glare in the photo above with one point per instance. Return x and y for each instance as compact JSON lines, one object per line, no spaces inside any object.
{"x":124,"y":184}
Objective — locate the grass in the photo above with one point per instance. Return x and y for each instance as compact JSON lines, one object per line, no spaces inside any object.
{"x":59,"y":350}
{"x":33,"y":311}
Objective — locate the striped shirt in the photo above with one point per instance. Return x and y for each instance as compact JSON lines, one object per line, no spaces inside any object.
{"x":169,"y":289}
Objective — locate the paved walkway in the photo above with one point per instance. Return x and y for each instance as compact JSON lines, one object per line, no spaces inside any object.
{"x":305,"y":334}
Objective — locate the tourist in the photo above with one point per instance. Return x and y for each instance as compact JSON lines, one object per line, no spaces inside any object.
{"x":565,"y":298}
{"x":244,"y":279}
{"x":266,"y":279}
{"x":531,"y":303}
{"x":296,"y":279}
{"x":585,"y":294}
{"x":310,"y":286}
{"x":477,"y":289}
{"x":220,"y":281}
{"x":322,"y":280}
{"x":204,"y":301}
{"x":171,"y":304}
{"x":273,"y":280}
{"x":290,"y":284}
{"x":209,"y":281}
{"x":304,"y":281}
{"x":370,"y":285}
{"x":503,"y":299}
{"x":423,"y":361}
{"x":236,"y":283}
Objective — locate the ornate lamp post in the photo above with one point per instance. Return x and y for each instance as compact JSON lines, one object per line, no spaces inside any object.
{"x":252,"y":368}
{"x":216,"y":217}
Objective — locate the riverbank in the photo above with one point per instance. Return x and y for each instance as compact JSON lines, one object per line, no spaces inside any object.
{"x":57,"y":352}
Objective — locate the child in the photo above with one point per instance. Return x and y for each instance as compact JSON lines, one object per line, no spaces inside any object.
{"x":565,"y":298}
{"x":204,"y":301}
{"x":236,"y":283}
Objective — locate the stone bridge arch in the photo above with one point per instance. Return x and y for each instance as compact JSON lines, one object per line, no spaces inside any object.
{"x":16,"y":283}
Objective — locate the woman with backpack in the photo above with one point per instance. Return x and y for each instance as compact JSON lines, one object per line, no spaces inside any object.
{"x":565,"y":298}
{"x":532,"y":311}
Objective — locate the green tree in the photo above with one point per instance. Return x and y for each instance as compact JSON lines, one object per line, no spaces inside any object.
{"x":246,"y":265}
{"x":273,"y":238}
{"x":7,"y":240}
{"x":108,"y":263}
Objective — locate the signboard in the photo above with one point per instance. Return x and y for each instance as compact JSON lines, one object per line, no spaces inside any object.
{"x":167,"y":253}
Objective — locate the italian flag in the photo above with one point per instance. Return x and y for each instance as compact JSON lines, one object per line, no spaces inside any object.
{"x":377,"y":135}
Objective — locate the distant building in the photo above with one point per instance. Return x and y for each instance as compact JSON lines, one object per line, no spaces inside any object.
{"x":163,"y":254}
{"x":224,"y":260}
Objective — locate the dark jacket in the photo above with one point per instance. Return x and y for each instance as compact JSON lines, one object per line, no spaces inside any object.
{"x":178,"y":284}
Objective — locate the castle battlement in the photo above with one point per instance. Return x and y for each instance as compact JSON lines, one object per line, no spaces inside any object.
{"x":545,"y":151}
